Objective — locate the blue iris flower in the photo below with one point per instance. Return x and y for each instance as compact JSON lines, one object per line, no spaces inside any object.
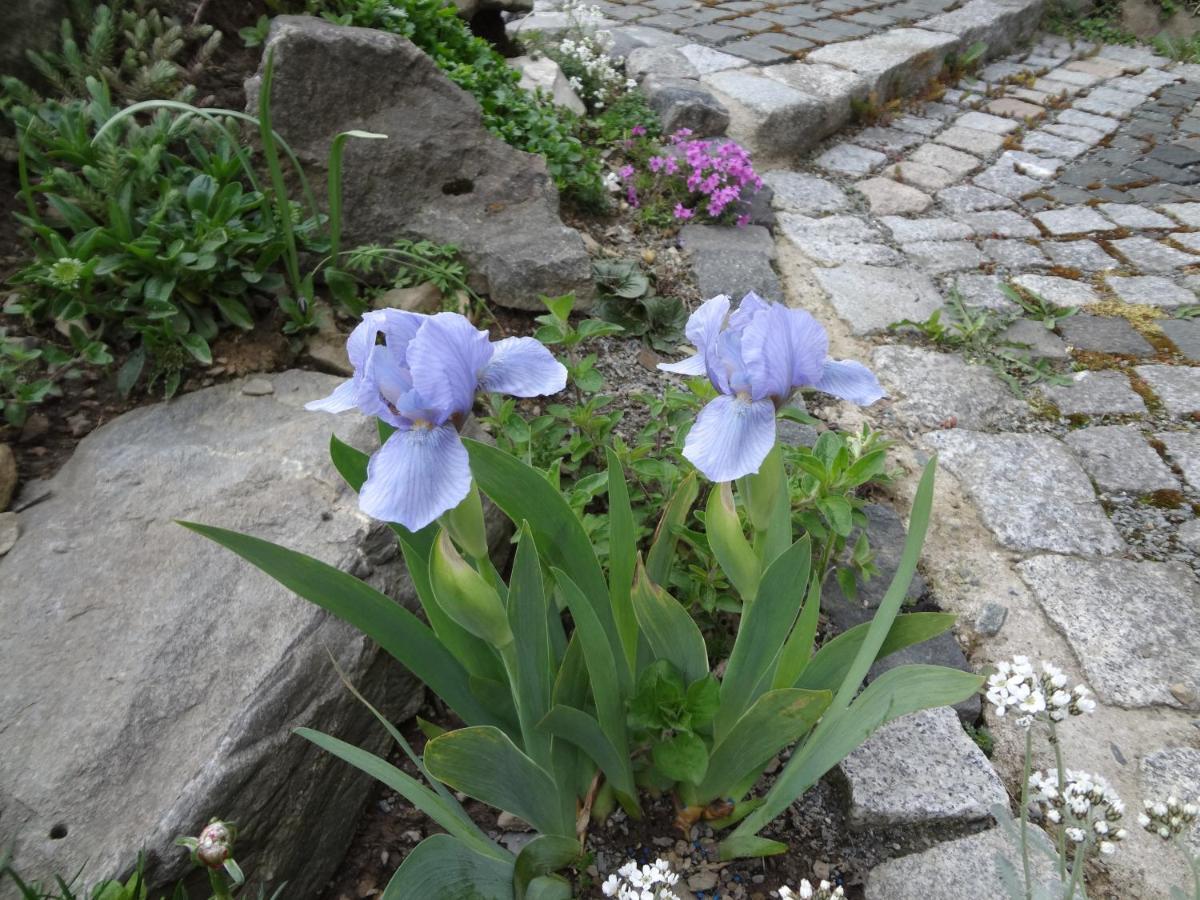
{"x":420,"y":374}
{"x":757,"y":356}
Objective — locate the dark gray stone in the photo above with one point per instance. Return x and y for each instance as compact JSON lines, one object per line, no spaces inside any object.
{"x":730,"y":260}
{"x":1185,"y":335}
{"x":684,"y":103}
{"x":991,"y":619}
{"x":1104,"y":334}
{"x":439,"y":174}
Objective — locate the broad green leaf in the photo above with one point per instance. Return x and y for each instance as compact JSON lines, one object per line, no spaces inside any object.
{"x":776,"y":719}
{"x":434,"y":806}
{"x":671,"y":633}
{"x":483,"y":763}
{"x":831,"y":663}
{"x":682,"y":757}
{"x":573,"y":769}
{"x":235,"y":312}
{"x":442,"y":867}
{"x":797,"y":652}
{"x":761,"y":634}
{"x":376,"y":615}
{"x":662,"y":549}
{"x":197,"y":346}
{"x":584,"y":732}
{"x":548,"y":887}
{"x":602,"y":666}
{"x":736,"y":557}
{"x":622,"y":557}
{"x":703,"y":700}
{"x":543,"y":855}
{"x":527,"y":616}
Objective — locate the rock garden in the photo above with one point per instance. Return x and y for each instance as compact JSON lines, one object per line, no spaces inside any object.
{"x":660,"y":449}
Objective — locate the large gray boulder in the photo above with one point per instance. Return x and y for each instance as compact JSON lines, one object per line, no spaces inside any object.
{"x":151,"y":679}
{"x":29,"y":25}
{"x":439,"y":175}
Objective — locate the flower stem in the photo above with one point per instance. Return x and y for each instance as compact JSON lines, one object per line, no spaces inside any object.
{"x":1025,"y":813}
{"x":1062,"y":780}
{"x":1193,"y":862}
{"x":219,"y":888}
{"x":1076,"y":872}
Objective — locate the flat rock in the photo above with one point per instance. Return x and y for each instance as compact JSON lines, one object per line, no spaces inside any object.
{"x":998,"y":26}
{"x":929,"y":388}
{"x":964,"y":869}
{"x":685,"y":103}
{"x":206,"y":664}
{"x":804,"y":194}
{"x":870,"y":298}
{"x":894,"y":63}
{"x":1177,"y":387}
{"x":1134,"y":626}
{"x":1059,"y":291}
{"x":834,"y":240}
{"x":1150,"y":290}
{"x":767,"y":114}
{"x":850,"y":159}
{"x":1183,"y":333}
{"x":544,"y":74}
{"x":1118,"y":458}
{"x":1104,"y":334}
{"x":1036,"y":340}
{"x":439,"y":175}
{"x":1183,"y":448}
{"x":890,"y":198}
{"x":730,"y":260}
{"x":905,"y":230}
{"x":1174,"y":771}
{"x":940,"y":257}
{"x":1095,"y":394}
{"x":920,"y":770}
{"x":1030,"y":491}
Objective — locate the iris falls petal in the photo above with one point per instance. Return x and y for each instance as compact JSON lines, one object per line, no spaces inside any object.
{"x":849,"y":380}
{"x":416,"y":476}
{"x":731,"y":438}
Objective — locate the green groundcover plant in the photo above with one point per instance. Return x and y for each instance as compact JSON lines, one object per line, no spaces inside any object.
{"x":581,"y":685}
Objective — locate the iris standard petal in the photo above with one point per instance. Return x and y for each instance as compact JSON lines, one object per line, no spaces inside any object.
{"x":416,"y":476}
{"x":344,"y":397}
{"x":731,"y":438}
{"x":693,"y":365}
{"x":849,"y":380}
{"x":750,"y":305}
{"x":703,"y":327}
{"x":446,"y":359}
{"x":783,"y":348}
{"x":397,"y":326}
{"x":523,"y":367}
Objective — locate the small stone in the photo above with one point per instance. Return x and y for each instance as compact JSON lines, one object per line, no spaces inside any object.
{"x":871,"y":298}
{"x":1119,"y":459}
{"x":1014,"y":109}
{"x":1047,"y":144}
{"x":1104,"y":334}
{"x":10,"y":530}
{"x":847,"y":159}
{"x":806,"y":194}
{"x":991,"y":619}
{"x":940,"y":257}
{"x":542,"y":73}
{"x":968,"y":198}
{"x":8,"y":475}
{"x":1087,"y":256}
{"x":920,"y":175}
{"x":996,"y":124}
{"x":1059,"y":291}
{"x":1036,"y":340}
{"x":1003,"y":179}
{"x":889,"y":198}
{"x":257,"y":387}
{"x":955,"y":162}
{"x":685,"y":103}
{"x":1130,"y":215}
{"x":1177,"y":387}
{"x":1074,"y":220}
{"x":36,"y":426}
{"x":704,"y":880}
{"x":1183,"y":333}
{"x":1149,"y":290}
{"x":908,"y":230}
{"x":1134,"y":626}
{"x":1095,"y":394}
{"x":1000,"y":223}
{"x":1153,"y":256}
{"x":1015,"y":255}
{"x":981,"y":143}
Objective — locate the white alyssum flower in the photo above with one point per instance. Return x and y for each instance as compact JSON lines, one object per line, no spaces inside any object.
{"x":823,"y":891}
{"x":1168,"y":818}
{"x":1084,"y":806}
{"x":1035,"y":693}
{"x":652,"y":881}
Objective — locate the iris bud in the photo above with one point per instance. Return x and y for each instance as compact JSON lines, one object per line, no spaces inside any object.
{"x":465,"y":596}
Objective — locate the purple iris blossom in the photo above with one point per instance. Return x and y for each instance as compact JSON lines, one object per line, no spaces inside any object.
{"x":420,"y":374}
{"x":756,"y":357}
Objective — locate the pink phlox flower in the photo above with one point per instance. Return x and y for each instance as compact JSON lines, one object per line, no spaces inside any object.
{"x":631,"y":197}
{"x":682,"y":212}
{"x":743,"y":221}
{"x":625,"y":171}
{"x":638,"y":130}
{"x":656,"y":163}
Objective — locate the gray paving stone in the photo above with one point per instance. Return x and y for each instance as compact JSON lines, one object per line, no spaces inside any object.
{"x":1039,"y":167}
{"x":940,"y":257}
{"x":728,"y":260}
{"x":980,"y":121}
{"x":773,"y":117}
{"x":920,"y":770}
{"x":1095,"y":394}
{"x":1035,"y":339}
{"x":964,"y":869}
{"x":1103,"y":102}
{"x":980,"y":143}
{"x":997,"y":26}
{"x":1080,"y":133}
{"x":706,"y":60}
{"x":887,"y":197}
{"x":969,"y":198}
{"x":753,"y":50}
{"x":895,"y":62}
{"x":1153,"y":256}
{"x":1103,"y":124}
{"x":1130,"y":215}
{"x":1173,"y":771}
{"x":1086,"y":256}
{"x":1151,"y":290}
{"x":918,"y":124}
{"x":1187,"y":213}
{"x":1104,"y":334}
{"x":955,"y":162}
{"x":1001,"y":223}
{"x":1003,"y":179}
{"x":1177,"y":387}
{"x":1015,"y":255}
{"x":1059,"y":291}
{"x":834,"y":240}
{"x":1185,"y":335}
{"x":1053,"y":145}
{"x":1188,"y":535}
{"x":906,"y":231}
{"x":1188,"y":240}
{"x":848,"y":159}
{"x":1183,"y":449}
{"x":806,"y":194}
{"x":887,"y":140}
{"x":982,"y":290}
{"x":1118,"y":459}
{"x":870,"y":298}
{"x":921,"y":176}
{"x":927,"y":388}
{"x":1074,"y":220}
{"x":1030,"y":491}
{"x":666,"y":61}
{"x":1134,"y":626}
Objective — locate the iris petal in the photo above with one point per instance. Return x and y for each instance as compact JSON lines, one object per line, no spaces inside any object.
{"x":416,"y":476}
{"x":702,"y":329}
{"x":344,"y":397}
{"x":693,"y":365}
{"x":731,"y":438}
{"x":849,"y":380}
{"x":783,"y":349}
{"x":523,"y":367}
{"x":446,"y":358}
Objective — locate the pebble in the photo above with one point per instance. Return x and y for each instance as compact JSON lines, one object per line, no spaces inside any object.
{"x":991,"y":619}
{"x":258,"y":387}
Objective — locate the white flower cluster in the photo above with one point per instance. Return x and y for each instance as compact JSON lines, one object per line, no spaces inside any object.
{"x":823,"y":891}
{"x":1168,"y":818}
{"x":650,"y":882}
{"x":596,"y":76}
{"x":1085,"y":807}
{"x":1016,"y":685}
